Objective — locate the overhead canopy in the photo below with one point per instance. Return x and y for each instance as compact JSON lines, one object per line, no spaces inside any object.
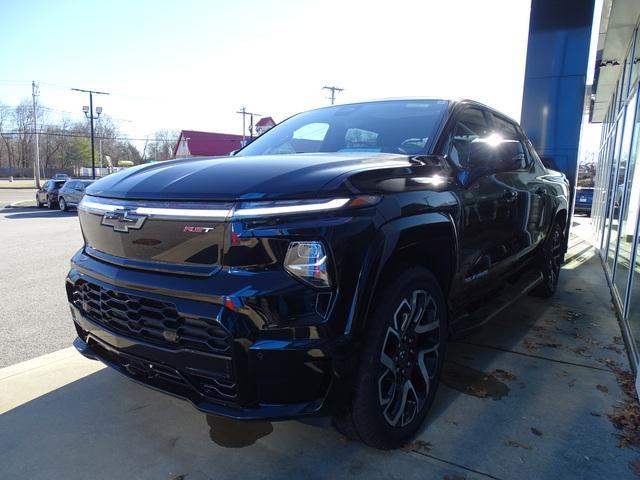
{"x":618,"y":20}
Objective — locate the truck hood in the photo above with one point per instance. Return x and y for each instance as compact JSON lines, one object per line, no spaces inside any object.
{"x":240,"y":178}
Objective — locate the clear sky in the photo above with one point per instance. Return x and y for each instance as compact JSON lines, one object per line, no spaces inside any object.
{"x":192,"y":64}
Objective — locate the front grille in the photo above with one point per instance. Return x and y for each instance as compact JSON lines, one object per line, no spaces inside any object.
{"x":155,"y":321}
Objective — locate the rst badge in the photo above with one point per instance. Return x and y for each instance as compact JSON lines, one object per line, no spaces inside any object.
{"x":193,"y":229}
{"x":123,"y":220}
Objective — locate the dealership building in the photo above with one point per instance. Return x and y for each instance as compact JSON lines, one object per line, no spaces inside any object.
{"x":616,"y":206}
{"x":558,"y":103}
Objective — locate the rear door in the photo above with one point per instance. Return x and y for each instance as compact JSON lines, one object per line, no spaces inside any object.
{"x":76,"y":191}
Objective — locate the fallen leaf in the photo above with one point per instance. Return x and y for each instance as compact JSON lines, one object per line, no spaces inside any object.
{"x":176,"y":477}
{"x":602,"y":388}
{"x":513,"y":443}
{"x":503,"y":375}
{"x":536,"y":432}
{"x":453,"y":477}
{"x":635,"y":467}
{"x":416,"y":446}
{"x":594,"y":414}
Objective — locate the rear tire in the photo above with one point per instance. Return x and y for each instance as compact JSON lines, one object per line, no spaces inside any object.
{"x":62,"y":204}
{"x":401,"y":362}
{"x":50,"y":204}
{"x":551,"y":259}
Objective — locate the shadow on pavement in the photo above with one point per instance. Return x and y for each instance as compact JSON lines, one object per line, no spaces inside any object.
{"x":525,"y":397}
{"x":17,"y":213}
{"x":104,"y":426}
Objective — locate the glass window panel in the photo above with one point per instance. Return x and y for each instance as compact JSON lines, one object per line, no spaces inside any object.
{"x":636,"y":59}
{"x":615,"y":194}
{"x":630,"y":201}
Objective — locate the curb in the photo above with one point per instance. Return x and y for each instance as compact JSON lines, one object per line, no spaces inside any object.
{"x":21,"y":203}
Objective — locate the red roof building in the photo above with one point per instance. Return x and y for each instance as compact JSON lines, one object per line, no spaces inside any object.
{"x":264,"y":124}
{"x":192,"y":143}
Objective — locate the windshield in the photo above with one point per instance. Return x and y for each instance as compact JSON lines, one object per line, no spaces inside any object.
{"x":393,"y":126}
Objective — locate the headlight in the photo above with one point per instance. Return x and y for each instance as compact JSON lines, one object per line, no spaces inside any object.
{"x":283,"y":207}
{"x":308,"y":262}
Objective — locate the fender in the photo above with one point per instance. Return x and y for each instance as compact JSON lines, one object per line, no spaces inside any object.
{"x":389,"y":239}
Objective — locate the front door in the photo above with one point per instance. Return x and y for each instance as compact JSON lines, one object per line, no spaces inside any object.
{"x":489,"y":206}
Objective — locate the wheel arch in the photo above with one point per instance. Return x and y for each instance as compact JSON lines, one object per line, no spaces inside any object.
{"x":409,"y":241}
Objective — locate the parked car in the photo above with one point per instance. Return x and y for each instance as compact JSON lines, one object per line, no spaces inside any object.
{"x":584,"y":200}
{"x":47,"y":194}
{"x":321,"y":269}
{"x":61,"y":176}
{"x":71,"y":193}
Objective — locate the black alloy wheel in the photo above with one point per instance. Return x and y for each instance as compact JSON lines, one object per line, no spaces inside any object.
{"x":401,"y":362}
{"x":552,"y":257}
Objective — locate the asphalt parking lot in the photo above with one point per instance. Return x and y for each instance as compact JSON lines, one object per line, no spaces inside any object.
{"x":36,"y":247}
{"x":527,"y":397}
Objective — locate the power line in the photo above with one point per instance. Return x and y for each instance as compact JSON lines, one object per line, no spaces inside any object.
{"x":83,"y":135}
{"x":244,"y":113}
{"x":333,"y":92}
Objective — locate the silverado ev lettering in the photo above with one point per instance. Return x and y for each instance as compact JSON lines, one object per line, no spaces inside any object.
{"x":323,"y":266}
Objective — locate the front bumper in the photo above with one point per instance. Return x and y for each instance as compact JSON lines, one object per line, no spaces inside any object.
{"x":202,"y":351}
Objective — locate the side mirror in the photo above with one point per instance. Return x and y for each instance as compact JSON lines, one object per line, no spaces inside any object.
{"x":489,"y":155}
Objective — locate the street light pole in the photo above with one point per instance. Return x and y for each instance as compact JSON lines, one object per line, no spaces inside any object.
{"x":93,"y":151}
{"x":88,"y":112}
{"x":34,"y":94}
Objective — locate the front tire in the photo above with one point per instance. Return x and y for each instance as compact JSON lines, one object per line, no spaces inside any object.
{"x":551,"y":263}
{"x":62,"y":204}
{"x":401,"y":363}
{"x":38,"y":202}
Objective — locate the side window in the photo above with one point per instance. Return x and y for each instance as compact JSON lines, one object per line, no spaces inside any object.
{"x":533,"y":155}
{"x":505,"y":129}
{"x":471,"y":124}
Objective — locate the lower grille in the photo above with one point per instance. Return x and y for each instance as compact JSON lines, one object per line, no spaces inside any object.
{"x":154,"y":321}
{"x":155,"y":373}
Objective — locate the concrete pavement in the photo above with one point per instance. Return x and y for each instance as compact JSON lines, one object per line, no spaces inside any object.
{"x":36,"y":247}
{"x":11,"y":195}
{"x":527,"y":397}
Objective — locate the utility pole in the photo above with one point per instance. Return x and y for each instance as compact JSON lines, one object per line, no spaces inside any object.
{"x":244,"y":113}
{"x":88,"y":112}
{"x":34,"y":93}
{"x":333,"y":92}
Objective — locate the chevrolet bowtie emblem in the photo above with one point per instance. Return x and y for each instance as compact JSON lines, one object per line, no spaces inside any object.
{"x":123,"y":220}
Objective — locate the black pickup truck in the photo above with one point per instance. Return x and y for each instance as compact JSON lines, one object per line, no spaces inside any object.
{"x":321,"y":268}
